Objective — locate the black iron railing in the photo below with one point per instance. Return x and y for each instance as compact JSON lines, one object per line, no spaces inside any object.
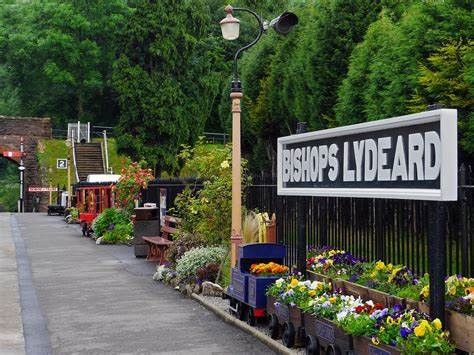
{"x":391,"y":230}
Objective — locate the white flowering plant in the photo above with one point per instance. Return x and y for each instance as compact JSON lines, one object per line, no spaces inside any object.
{"x":294,"y":291}
{"x":194,"y":259}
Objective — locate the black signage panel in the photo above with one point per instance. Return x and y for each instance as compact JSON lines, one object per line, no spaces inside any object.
{"x":409,"y":157}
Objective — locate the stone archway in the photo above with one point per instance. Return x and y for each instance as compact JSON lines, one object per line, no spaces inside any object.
{"x":32,"y":129}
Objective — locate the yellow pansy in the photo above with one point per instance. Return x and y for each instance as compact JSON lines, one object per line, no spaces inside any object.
{"x":302,"y":288}
{"x":390,"y":267}
{"x":293,"y":283}
{"x":452,"y":290}
{"x":375,"y":341}
{"x":390,"y":320}
{"x":420,"y":331}
{"x":379,"y":265}
{"x":425,"y":291}
{"x":437,"y":324}
{"x":395,"y":271}
{"x":332,"y":299}
{"x":312,"y":293}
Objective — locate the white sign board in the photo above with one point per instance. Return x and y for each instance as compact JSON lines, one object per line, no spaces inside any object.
{"x":409,"y":157}
{"x":42,"y":189}
{"x":61,"y":163}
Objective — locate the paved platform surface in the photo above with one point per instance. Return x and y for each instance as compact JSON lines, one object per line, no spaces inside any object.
{"x":11,"y":329}
{"x":93,"y":299}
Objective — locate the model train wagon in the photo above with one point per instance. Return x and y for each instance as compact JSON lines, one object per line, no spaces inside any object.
{"x":247,"y":292}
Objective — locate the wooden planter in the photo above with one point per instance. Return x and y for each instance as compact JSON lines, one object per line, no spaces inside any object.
{"x":314,"y":276}
{"x":460,"y":326}
{"x":412,"y":304}
{"x":328,"y":334}
{"x":356,"y":290}
{"x":364,"y":346}
{"x":271,"y":304}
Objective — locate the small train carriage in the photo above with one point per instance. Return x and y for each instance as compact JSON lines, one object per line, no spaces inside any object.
{"x":92,"y":198}
{"x":247,"y":292}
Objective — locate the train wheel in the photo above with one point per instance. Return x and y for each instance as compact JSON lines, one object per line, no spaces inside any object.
{"x":274,"y":327}
{"x":312,"y":345}
{"x":241,"y":311}
{"x":289,"y":334}
{"x":333,"y":350}
{"x":251,"y":320}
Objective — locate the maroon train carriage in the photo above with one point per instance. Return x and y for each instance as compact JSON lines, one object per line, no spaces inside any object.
{"x":92,"y":199}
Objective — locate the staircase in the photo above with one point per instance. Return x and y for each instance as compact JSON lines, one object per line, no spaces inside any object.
{"x":88,"y":158}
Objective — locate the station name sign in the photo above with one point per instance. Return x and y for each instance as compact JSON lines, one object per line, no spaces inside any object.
{"x":407,"y":157}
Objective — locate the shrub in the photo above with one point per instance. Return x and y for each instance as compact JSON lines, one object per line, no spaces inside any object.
{"x":197,"y":258}
{"x":133,"y":179}
{"x":108,"y":219}
{"x":183,"y":243}
{"x":207,"y":211}
{"x":119,"y":234}
{"x":208,"y":272}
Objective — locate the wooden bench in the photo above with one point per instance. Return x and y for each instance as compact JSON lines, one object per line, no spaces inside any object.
{"x":158,"y":245}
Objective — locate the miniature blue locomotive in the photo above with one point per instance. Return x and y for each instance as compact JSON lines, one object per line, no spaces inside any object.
{"x":247,"y":292}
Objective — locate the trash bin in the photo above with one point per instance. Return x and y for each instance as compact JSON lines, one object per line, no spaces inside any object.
{"x":146,"y":223}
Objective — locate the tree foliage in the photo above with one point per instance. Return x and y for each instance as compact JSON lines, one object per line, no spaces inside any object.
{"x":165,"y":80}
{"x":59,"y":57}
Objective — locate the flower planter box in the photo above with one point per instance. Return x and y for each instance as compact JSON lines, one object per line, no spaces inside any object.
{"x":412,"y":304}
{"x":328,"y":334}
{"x":271,"y":304}
{"x":460,"y":326}
{"x":380,"y":297}
{"x":356,"y":290}
{"x":315,"y":276}
{"x":364,"y":346}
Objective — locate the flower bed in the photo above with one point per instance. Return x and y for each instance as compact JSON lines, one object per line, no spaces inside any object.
{"x":391,"y":285}
{"x":333,"y":320}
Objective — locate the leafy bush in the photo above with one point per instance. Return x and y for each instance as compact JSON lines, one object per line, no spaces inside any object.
{"x":197,"y":258}
{"x":108,"y":219}
{"x":207,"y":212}
{"x":120,"y":234}
{"x":133,"y":179}
{"x":183,"y":243}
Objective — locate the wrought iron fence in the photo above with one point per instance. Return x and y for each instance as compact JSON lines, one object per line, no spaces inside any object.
{"x":391,"y":230}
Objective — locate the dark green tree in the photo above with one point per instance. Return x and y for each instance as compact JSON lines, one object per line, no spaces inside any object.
{"x":165,"y":79}
{"x":59,"y":57}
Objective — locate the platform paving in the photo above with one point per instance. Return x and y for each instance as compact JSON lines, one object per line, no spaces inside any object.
{"x":102,"y":300}
{"x":11,"y":329}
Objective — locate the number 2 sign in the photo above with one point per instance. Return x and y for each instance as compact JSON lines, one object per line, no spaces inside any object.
{"x":61,"y":163}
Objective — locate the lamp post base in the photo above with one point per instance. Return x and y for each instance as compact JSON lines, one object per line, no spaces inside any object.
{"x":235,"y":240}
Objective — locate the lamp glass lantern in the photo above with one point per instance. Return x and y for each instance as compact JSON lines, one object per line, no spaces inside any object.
{"x":230,"y":27}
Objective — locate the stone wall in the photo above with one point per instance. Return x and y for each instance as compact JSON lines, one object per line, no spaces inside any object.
{"x":32,"y":129}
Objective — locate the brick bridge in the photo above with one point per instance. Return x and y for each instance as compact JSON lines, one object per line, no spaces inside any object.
{"x":32,"y":130}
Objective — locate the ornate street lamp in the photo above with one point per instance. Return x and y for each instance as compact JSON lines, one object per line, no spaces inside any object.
{"x":230,"y":27}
